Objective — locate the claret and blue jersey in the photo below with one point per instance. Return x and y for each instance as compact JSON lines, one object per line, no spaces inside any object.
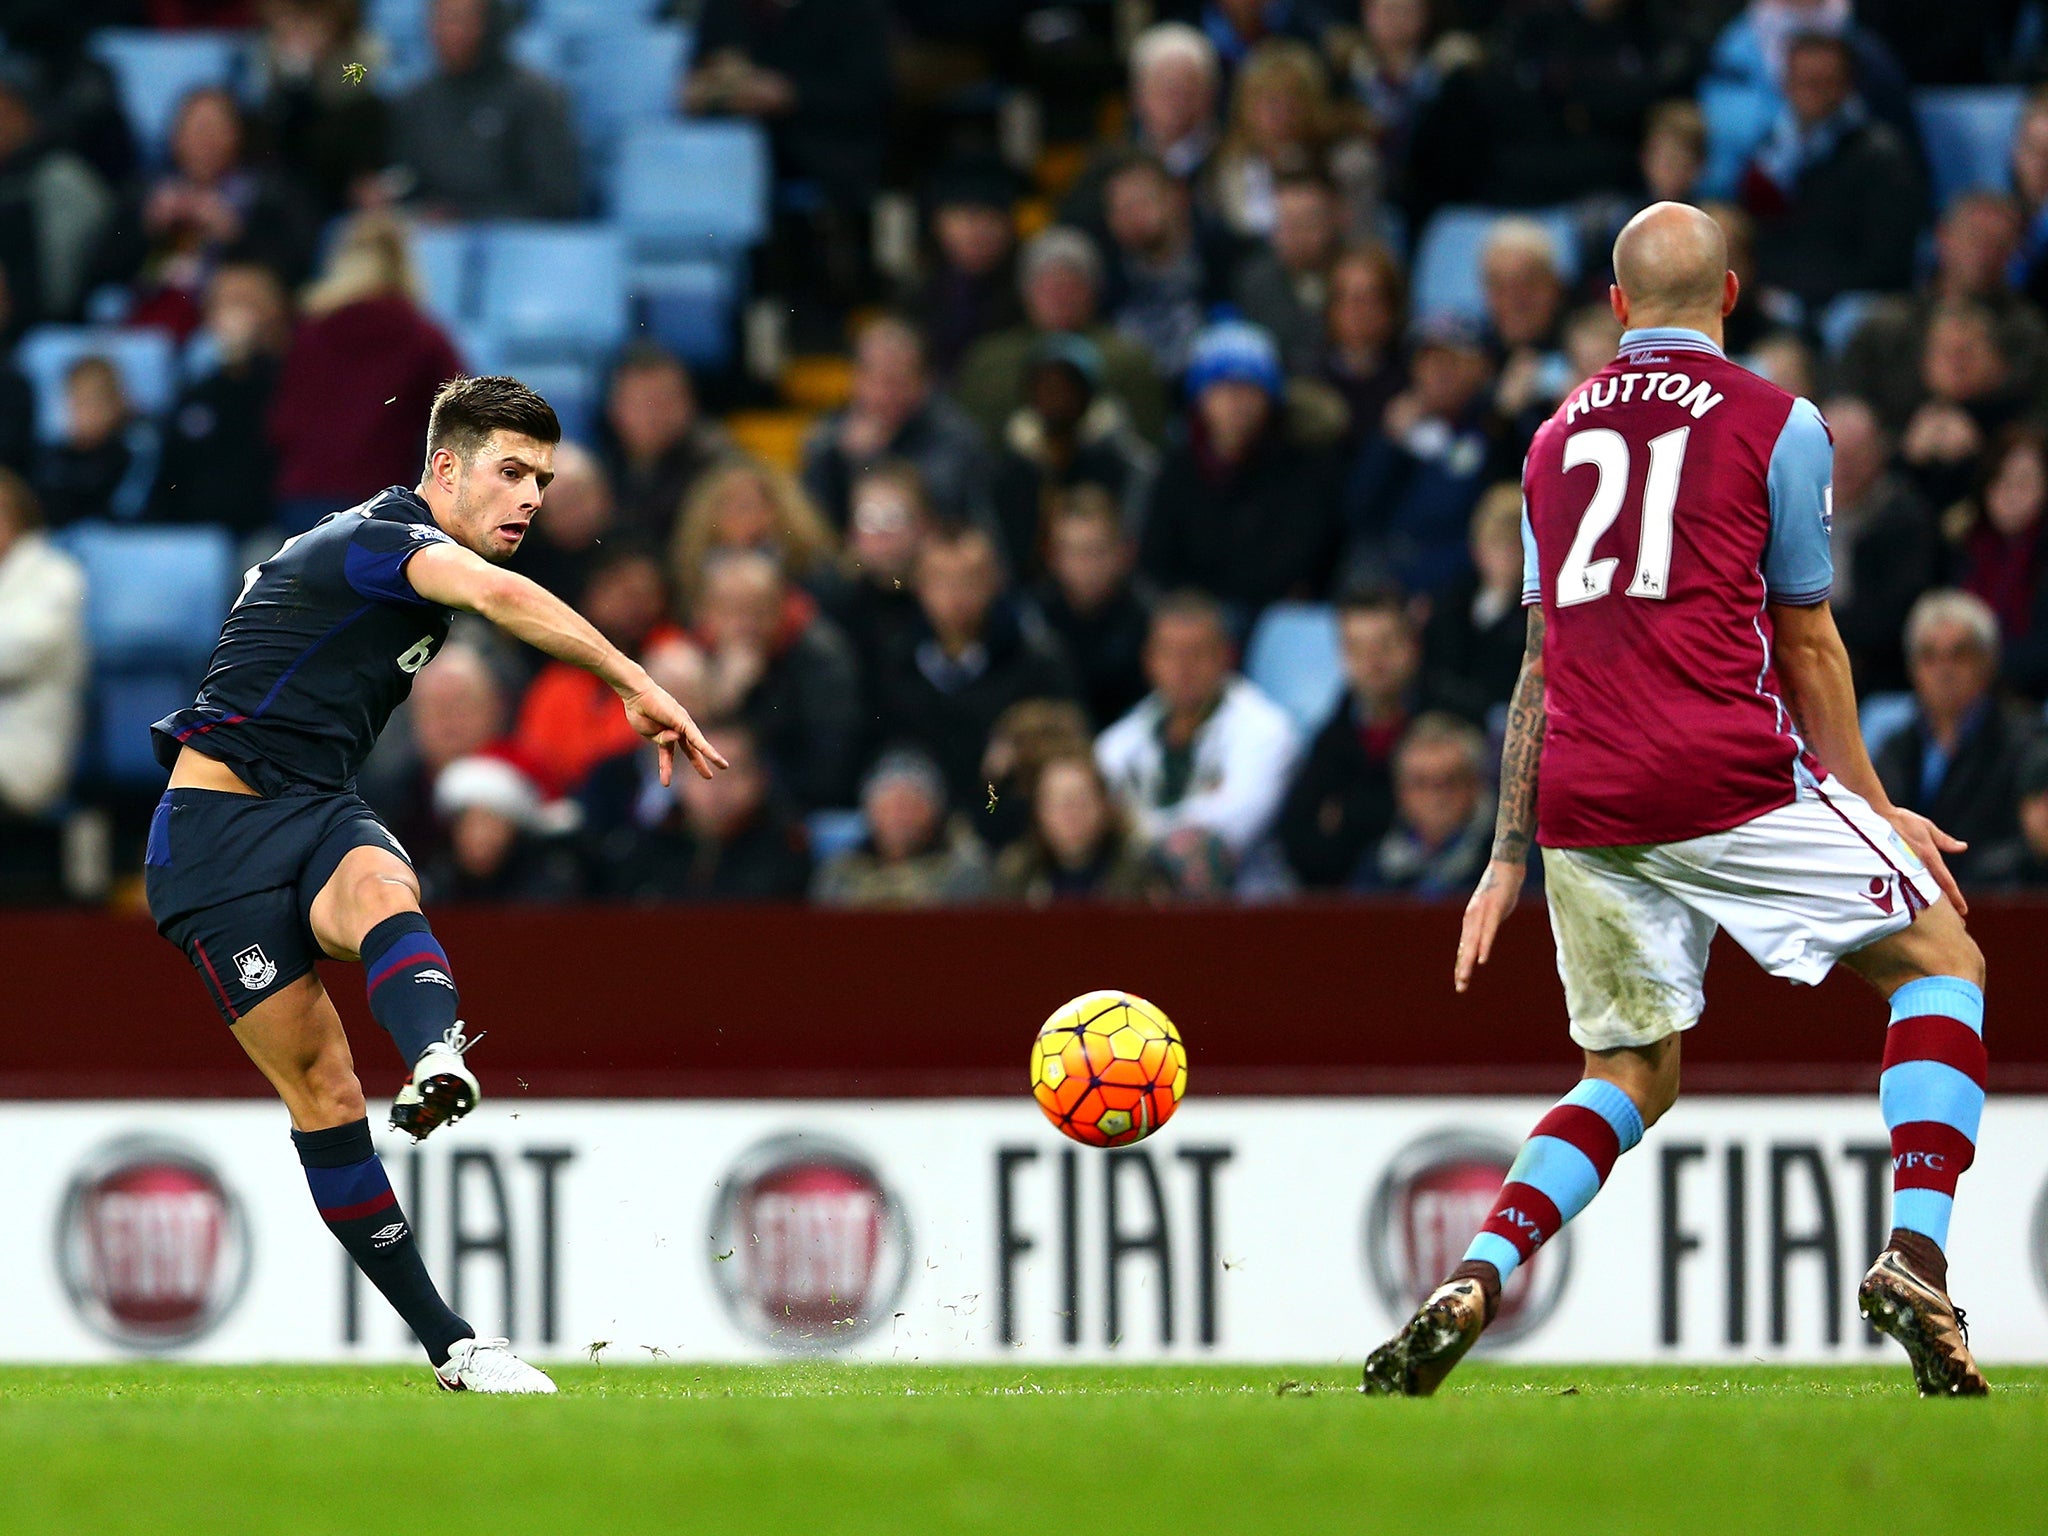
{"x":318,"y":651}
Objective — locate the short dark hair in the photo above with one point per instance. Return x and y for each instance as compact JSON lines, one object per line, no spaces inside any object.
{"x":467,"y":411}
{"x":1374,"y":595}
{"x":1194,"y":604}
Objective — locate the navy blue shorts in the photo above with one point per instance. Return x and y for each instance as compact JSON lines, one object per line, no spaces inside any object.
{"x":231,"y":881}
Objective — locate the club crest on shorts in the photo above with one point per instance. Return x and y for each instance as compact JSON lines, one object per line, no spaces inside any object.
{"x":256,"y":969}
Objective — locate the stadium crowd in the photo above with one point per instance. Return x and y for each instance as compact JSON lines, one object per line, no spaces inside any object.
{"x":1147,"y":402}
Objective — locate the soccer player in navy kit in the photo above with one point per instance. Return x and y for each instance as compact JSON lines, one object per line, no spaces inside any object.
{"x":262,"y":857}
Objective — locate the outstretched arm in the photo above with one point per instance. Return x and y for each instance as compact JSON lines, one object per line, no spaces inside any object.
{"x":1813,"y":668}
{"x":448,"y":574}
{"x":1501,"y":886}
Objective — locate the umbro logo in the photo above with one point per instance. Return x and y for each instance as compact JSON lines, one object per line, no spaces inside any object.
{"x":384,"y":1237}
{"x":439,"y":977}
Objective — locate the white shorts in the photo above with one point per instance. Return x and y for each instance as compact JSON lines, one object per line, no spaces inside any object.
{"x":1798,"y":887}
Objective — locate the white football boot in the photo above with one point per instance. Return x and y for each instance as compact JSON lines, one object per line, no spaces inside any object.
{"x":441,"y":1089}
{"x":488,"y":1365}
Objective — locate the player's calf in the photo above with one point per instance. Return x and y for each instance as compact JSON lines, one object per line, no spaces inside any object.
{"x":413,"y":995}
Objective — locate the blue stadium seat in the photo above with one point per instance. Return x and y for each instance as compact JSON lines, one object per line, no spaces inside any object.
{"x":835,"y":832}
{"x":120,"y":751}
{"x":1293,"y":657}
{"x":146,"y":359}
{"x":1446,"y":277}
{"x":155,"y":596}
{"x":572,"y":388}
{"x":690,"y":306}
{"x":552,"y":289}
{"x":1882,"y":716}
{"x":445,"y":257}
{"x":154,"y":71}
{"x":692,"y":186}
{"x":618,"y":73}
{"x":1968,"y":132}
{"x":592,"y":15}
{"x":408,"y":55}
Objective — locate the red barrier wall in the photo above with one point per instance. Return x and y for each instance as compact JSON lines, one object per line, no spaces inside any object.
{"x":1314,"y":998}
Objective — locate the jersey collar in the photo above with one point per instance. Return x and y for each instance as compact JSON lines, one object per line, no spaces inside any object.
{"x":1667,"y":338}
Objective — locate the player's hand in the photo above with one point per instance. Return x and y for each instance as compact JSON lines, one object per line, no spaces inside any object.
{"x":668,"y":725}
{"x":1499,"y":889}
{"x":1929,"y":843}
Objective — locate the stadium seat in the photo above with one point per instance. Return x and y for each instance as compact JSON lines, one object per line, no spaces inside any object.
{"x":155,"y":596}
{"x":1882,"y":716}
{"x":119,"y":750}
{"x":408,"y":54}
{"x":691,"y":186}
{"x":154,"y":71}
{"x":1967,"y":132}
{"x":552,"y":289}
{"x":690,"y":305}
{"x":147,"y":361}
{"x":1447,"y":279}
{"x":835,"y":832}
{"x":572,"y":388}
{"x":445,"y":257}
{"x":1293,"y":658}
{"x":618,"y":73}
{"x":591,"y":15}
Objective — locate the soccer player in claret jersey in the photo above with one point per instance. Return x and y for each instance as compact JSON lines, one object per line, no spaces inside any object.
{"x":262,"y":858}
{"x":1683,"y":745}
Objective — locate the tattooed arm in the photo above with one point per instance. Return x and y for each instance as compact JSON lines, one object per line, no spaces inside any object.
{"x":1501,"y":886}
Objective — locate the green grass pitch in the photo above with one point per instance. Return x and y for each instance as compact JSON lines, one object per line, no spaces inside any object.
{"x":170,"y":1449}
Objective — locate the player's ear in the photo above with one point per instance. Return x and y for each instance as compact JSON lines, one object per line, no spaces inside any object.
{"x":1731,"y":290}
{"x":1618,"y":302}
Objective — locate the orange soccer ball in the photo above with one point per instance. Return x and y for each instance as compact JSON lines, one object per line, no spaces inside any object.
{"x":1108,"y":1069}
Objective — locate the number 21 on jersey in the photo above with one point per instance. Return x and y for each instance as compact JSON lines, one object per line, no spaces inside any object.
{"x":1582,"y":579}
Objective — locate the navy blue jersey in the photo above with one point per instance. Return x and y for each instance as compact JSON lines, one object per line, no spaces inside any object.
{"x":321,"y":646}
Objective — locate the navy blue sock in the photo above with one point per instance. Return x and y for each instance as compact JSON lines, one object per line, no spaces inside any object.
{"x":412,"y":988}
{"x":356,"y":1201}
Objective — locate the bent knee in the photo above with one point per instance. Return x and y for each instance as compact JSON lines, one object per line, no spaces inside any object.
{"x":331,"y":1095}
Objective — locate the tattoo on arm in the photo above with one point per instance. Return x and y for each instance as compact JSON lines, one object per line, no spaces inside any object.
{"x":1519,"y":757}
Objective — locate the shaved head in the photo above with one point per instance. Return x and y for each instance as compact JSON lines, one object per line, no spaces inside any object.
{"x":1671,"y":268}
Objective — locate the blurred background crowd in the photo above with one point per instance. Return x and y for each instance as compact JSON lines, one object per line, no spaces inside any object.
{"x":1065,"y":450}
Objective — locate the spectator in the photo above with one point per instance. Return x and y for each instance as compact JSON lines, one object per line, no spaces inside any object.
{"x":1567,"y":97}
{"x":1525,"y":307}
{"x":80,"y":99}
{"x":570,"y":720}
{"x":1885,"y":550}
{"x":2021,"y":863}
{"x":1421,"y":92}
{"x":975,"y":651}
{"x":746,"y":504}
{"x":1238,"y":27}
{"x":1413,"y":487}
{"x":565,"y":544}
{"x":42,"y":690}
{"x":217,"y":461}
{"x":1744,"y":326}
{"x":1443,"y":814}
{"x":1361,"y":356}
{"x":326,"y":131}
{"x":1282,"y":124}
{"x":1205,"y":752}
{"x":210,"y":205}
{"x":498,"y":845}
{"x":456,"y":709}
{"x":875,"y":603}
{"x":1165,"y":269}
{"x":655,"y":445}
{"x":626,"y":792}
{"x":1175,"y":82}
{"x":1026,"y":736}
{"x":897,"y":412}
{"x":726,"y":838}
{"x":2003,"y":558}
{"x":482,"y":137}
{"x":351,"y":409}
{"x":778,"y":664}
{"x":970,"y":286}
{"x":1674,"y":153}
{"x":1066,"y":435}
{"x":1477,"y":631}
{"x":1245,"y":506}
{"x":1975,"y":244}
{"x":1784,"y":358}
{"x":2030,"y":181}
{"x":105,"y":463}
{"x":1836,"y":193}
{"x":912,"y":855}
{"x":1286,"y":288}
{"x":1956,"y":761}
{"x":1341,"y":802}
{"x":1970,"y":397}
{"x":1060,"y":277}
{"x":53,"y":208}
{"x":1092,"y":604}
{"x":1080,"y":846}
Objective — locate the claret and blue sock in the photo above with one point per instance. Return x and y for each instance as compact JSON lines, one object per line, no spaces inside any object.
{"x":1555,"y":1176}
{"x":411,"y":984}
{"x":357,"y":1203}
{"x":1932,"y":1095}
